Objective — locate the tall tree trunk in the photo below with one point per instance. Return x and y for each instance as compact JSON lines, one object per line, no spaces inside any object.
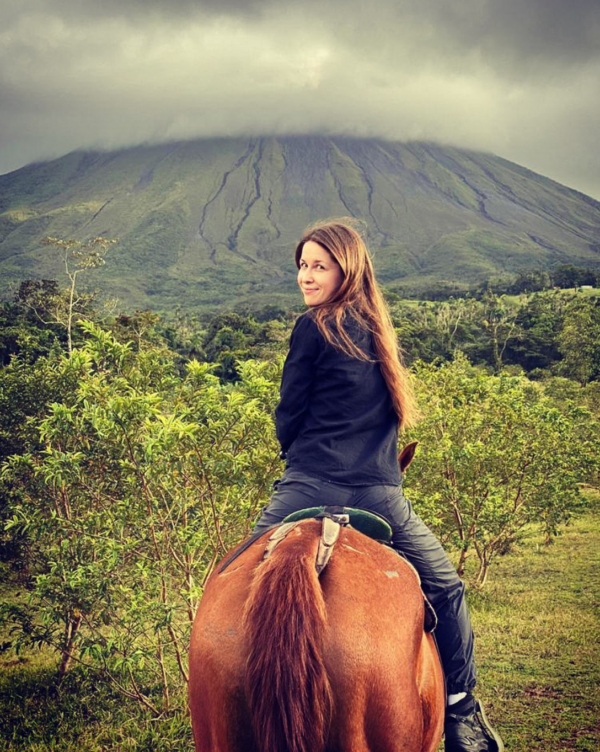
{"x":71,"y":629}
{"x":464,"y":555}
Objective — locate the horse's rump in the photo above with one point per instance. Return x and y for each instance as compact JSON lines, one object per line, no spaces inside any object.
{"x":305,"y":663}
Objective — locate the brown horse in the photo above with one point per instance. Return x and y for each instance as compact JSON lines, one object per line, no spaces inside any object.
{"x":285,"y":660}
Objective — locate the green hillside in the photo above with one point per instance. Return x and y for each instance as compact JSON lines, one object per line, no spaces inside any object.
{"x":210,"y":222}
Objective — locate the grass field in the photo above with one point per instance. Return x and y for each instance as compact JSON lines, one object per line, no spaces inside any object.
{"x":538,"y":647}
{"x":538,"y":642}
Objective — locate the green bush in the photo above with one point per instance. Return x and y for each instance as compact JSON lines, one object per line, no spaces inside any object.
{"x":143,"y":480}
{"x":496,"y":454}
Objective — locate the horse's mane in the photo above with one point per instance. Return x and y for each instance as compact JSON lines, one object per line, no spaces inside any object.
{"x":287,"y":687}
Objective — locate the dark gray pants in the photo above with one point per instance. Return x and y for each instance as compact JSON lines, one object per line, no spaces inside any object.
{"x":442,"y":586}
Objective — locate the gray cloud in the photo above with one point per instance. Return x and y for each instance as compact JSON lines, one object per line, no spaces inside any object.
{"x":518,"y":31}
{"x":522,"y":30}
{"x":515,"y":77}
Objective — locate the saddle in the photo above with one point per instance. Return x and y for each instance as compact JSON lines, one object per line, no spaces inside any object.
{"x":333,"y":519}
{"x":369,"y":523}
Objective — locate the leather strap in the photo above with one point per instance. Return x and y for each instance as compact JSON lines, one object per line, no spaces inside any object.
{"x":330,"y":532}
{"x":277,"y":536}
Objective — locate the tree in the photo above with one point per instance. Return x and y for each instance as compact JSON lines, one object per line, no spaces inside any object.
{"x":538,"y":321}
{"x":141,"y":481}
{"x":533,"y":280}
{"x":232,"y":338}
{"x":567,"y":275}
{"x":54,"y":306}
{"x":579,"y":340}
{"x":499,"y":322}
{"x":21,"y":332}
{"x":495,"y":455}
{"x":27,"y":389}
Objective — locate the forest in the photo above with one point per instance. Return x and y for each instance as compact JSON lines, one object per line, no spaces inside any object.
{"x":138,"y":448}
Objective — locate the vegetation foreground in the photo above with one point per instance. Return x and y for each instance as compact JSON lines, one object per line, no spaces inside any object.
{"x":137,"y":451}
{"x":538,"y":644}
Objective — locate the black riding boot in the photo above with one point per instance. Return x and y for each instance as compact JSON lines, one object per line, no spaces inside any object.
{"x":468,"y":730}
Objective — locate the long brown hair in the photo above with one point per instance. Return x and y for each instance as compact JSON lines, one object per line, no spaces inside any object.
{"x":359,"y":297}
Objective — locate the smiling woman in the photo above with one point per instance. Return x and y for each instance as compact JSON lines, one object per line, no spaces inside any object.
{"x":319,"y":274}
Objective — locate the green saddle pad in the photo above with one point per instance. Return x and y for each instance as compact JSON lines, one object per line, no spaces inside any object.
{"x":365,"y":522}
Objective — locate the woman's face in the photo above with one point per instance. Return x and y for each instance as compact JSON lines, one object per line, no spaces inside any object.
{"x":319,"y":275}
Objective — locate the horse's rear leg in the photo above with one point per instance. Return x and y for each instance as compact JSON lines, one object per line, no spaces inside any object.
{"x":218,"y":706}
{"x":383,"y":719}
{"x":210,"y":734}
{"x":432,"y":692}
{"x":222,"y":730}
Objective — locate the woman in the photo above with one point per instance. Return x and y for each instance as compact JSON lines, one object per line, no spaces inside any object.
{"x":344,"y":396}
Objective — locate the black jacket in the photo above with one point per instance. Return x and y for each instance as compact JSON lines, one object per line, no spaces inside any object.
{"x":335,"y":420}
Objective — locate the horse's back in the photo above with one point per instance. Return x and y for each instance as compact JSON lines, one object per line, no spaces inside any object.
{"x":380,"y":662}
{"x":385,"y":679}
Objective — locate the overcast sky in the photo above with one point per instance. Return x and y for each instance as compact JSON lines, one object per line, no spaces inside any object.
{"x":519,"y":78}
